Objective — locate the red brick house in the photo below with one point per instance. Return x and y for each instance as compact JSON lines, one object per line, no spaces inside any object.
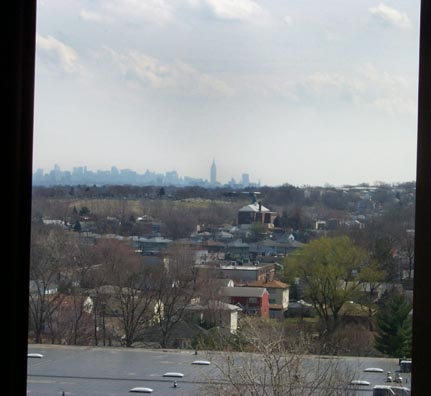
{"x":256,"y":213}
{"x":278,"y":296}
{"x":252,"y":300}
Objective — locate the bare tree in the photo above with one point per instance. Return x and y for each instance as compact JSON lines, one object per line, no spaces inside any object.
{"x":79,"y":305}
{"x":131,"y":284}
{"x":50,"y":208}
{"x":70,"y":323}
{"x":174,"y":287}
{"x":274,"y":365}
{"x":180,"y":221}
{"x":48,"y":255}
{"x":136,"y":303}
{"x":407,"y":245}
{"x":100,"y":303}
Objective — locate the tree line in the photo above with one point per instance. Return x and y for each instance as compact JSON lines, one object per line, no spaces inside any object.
{"x":334,"y":273}
{"x":102,"y":293}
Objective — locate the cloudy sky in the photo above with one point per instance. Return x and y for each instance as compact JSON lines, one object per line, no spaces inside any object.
{"x":289,"y":91}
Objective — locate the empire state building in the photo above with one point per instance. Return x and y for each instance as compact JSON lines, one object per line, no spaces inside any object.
{"x":213,"y":175}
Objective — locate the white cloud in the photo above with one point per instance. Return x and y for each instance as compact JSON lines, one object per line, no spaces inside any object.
{"x":178,"y":75}
{"x":59,"y":54}
{"x":319,"y":82}
{"x":366,"y":86}
{"x":93,"y":16}
{"x":230,"y":9}
{"x":322,"y":88}
{"x":235,"y":9}
{"x":393,"y":94}
{"x":390,"y":81}
{"x":156,"y":11}
{"x":390,"y":16}
{"x":288,"y":20}
{"x":396,"y":105}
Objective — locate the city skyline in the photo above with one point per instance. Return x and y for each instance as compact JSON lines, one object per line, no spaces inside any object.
{"x":292,"y":92}
{"x":113,"y":175}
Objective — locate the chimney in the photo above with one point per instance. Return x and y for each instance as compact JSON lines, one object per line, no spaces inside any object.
{"x":260,"y":206}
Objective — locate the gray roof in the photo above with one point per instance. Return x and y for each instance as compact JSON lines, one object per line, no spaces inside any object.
{"x":153,"y":240}
{"x":243,"y":291}
{"x":219,"y":305}
{"x":238,"y":243}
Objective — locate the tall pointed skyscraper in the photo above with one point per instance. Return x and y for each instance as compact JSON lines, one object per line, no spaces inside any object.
{"x":213,"y":175}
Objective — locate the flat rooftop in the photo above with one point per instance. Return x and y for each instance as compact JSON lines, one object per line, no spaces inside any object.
{"x":105,"y":371}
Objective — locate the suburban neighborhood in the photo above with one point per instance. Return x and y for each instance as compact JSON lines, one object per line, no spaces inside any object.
{"x":189,"y":268}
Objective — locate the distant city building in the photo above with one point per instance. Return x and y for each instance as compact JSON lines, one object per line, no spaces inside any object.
{"x":114,"y":176}
{"x":232,"y":182}
{"x":171,"y":178}
{"x":38,"y":174}
{"x":245,"y":180}
{"x":213,"y":175}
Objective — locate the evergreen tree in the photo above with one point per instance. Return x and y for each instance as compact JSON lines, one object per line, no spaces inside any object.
{"x":394,"y":323}
{"x":84,"y":211}
{"x":77,"y":226}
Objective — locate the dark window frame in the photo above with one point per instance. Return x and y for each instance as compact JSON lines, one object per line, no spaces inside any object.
{"x":18,"y":62}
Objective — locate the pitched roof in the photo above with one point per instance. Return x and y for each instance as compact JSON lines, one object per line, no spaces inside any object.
{"x":224,"y":282}
{"x":243,"y":291}
{"x":254,"y":207}
{"x":212,"y":305}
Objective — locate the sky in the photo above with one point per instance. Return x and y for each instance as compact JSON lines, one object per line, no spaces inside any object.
{"x":305,"y":92}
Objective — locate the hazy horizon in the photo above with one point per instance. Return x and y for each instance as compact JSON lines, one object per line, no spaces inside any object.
{"x":293,"y":92}
{"x":253,"y":183}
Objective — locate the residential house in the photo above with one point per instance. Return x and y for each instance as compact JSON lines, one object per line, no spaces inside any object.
{"x":237,"y":250}
{"x":149,"y":228}
{"x":58,"y":223}
{"x":151,"y":246}
{"x":287,"y":244}
{"x":256,"y":213}
{"x":266,"y":247}
{"x":200,"y":236}
{"x":216,"y":250}
{"x":242,"y":274}
{"x":39,"y":287}
{"x":320,"y":225}
{"x":214,"y":313}
{"x":278,"y":296}
{"x":223,"y":236}
{"x":300,"y":309}
{"x":252,"y":300}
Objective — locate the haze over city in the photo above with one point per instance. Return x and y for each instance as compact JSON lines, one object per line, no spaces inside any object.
{"x":288,"y":92}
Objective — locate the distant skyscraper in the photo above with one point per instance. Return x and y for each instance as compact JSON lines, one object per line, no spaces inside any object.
{"x":245,"y":180}
{"x":213,"y":176}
